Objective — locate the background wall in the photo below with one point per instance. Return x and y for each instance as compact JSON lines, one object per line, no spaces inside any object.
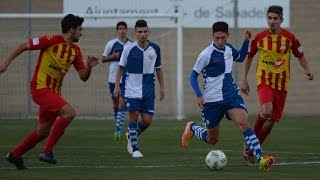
{"x":93,"y":99}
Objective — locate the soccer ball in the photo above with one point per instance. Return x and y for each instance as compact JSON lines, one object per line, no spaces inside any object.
{"x":216,"y":160}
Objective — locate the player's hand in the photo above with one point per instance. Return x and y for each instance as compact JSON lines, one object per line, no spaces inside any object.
{"x":3,"y":67}
{"x":310,"y":75}
{"x":200,"y":102}
{"x":92,"y":61}
{"x":116,"y":92}
{"x":245,"y":87}
{"x":248,"y":35}
{"x":162,"y":94}
{"x":121,"y":103}
{"x":115,"y":54}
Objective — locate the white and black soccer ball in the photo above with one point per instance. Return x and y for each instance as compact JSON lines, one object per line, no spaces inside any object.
{"x":216,"y":160}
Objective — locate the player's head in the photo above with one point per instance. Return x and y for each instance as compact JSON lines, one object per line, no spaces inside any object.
{"x":122,"y":28}
{"x":73,"y":24}
{"x":141,"y":29}
{"x":220,"y":33}
{"x":274,"y":17}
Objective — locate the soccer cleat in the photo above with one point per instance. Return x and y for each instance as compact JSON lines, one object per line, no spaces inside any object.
{"x":17,"y":162}
{"x":129,"y":146}
{"x":266,"y":162}
{"x":47,"y":157}
{"x":248,"y":155}
{"x":117,"y":135}
{"x":137,"y":154}
{"x":187,"y":135}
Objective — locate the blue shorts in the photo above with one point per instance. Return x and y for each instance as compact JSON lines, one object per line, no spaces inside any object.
{"x":144,"y":105}
{"x":111,"y":89}
{"x":213,"y":112}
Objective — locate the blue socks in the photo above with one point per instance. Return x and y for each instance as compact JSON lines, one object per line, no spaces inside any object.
{"x":253,"y":143}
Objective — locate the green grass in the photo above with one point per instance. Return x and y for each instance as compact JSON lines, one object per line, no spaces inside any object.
{"x":87,"y":151}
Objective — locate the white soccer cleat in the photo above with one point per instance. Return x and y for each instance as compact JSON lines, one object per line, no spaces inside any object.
{"x":129,"y":146}
{"x":137,"y":154}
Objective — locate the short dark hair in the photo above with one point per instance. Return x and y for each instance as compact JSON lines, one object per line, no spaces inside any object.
{"x":276,"y":9}
{"x":70,"y":21}
{"x":141,"y":23}
{"x":121,"y":23}
{"x":220,"y":26}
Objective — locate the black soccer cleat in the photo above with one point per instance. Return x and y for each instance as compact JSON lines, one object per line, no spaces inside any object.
{"x":47,"y":157}
{"x":17,"y":162}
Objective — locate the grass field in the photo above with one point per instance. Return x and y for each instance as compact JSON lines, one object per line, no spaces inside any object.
{"x":87,"y":151}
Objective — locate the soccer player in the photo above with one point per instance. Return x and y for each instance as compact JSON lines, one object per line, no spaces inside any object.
{"x":272,"y":73}
{"x":57,"y":54}
{"x":141,"y":59}
{"x":111,"y":54}
{"x":221,"y":95}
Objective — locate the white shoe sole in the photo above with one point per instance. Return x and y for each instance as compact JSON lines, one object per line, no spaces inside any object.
{"x":129,"y":146}
{"x":137,"y":154}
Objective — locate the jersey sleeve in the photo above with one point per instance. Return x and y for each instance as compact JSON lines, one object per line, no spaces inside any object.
{"x":124,"y":56}
{"x":240,"y":55}
{"x":253,"y":47}
{"x":78,"y":62}
{"x":43,"y":42}
{"x":158,"y":60}
{"x":202,"y":61}
{"x":297,"y":49}
{"x":107,"y":49}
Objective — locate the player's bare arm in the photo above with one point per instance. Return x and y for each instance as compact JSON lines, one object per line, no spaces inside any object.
{"x":22,"y":47}
{"x":116,"y":91}
{"x":244,"y":84}
{"x":84,"y":74}
{"x":115,"y":55}
{"x":161,"y":83}
{"x":305,"y":65}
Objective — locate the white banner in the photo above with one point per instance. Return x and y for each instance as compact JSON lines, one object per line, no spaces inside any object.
{"x":196,"y":13}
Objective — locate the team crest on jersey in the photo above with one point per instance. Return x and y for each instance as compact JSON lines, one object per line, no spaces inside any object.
{"x":150,"y":57}
{"x":283,"y":46}
{"x":73,"y":55}
{"x":49,"y":37}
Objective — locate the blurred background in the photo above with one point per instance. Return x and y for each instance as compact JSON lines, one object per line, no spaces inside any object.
{"x":92,"y":99}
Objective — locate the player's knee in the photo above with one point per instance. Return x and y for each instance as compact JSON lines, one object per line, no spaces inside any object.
{"x":265,"y":114}
{"x":70,"y":114}
{"x":43,"y":133}
{"x":212,"y":140}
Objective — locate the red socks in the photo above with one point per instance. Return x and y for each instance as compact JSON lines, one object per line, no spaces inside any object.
{"x":28,"y":143}
{"x":258,"y":124}
{"x":258,"y":128}
{"x":56,"y":132}
{"x":262,"y":135}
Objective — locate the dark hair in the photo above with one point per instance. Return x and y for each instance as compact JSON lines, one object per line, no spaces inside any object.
{"x":70,"y":21}
{"x":276,"y":9}
{"x":121,"y":23}
{"x":141,"y":23}
{"x":220,"y":26}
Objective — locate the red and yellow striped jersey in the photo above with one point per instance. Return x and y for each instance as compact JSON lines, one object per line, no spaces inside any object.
{"x":273,"y":66}
{"x":55,"y":58}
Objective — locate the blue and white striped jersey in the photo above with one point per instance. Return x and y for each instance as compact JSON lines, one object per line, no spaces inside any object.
{"x":140,"y":65}
{"x":117,"y":46}
{"x":216,"y":67}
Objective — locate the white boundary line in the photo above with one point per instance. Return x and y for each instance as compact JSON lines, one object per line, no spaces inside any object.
{"x":160,"y":166}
